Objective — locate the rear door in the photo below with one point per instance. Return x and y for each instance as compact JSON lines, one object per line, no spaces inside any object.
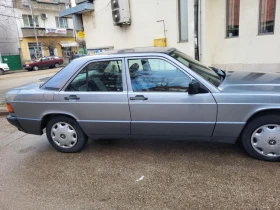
{"x":160,"y":104}
{"x":43,"y":63}
{"x":97,"y":97}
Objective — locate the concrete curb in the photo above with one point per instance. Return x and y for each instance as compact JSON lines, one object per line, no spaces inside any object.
{"x":3,"y":111}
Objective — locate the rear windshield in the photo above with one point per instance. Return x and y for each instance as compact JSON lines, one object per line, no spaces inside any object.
{"x":60,"y":78}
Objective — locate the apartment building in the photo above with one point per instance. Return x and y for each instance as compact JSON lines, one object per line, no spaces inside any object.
{"x":229,"y":34}
{"x":42,"y":32}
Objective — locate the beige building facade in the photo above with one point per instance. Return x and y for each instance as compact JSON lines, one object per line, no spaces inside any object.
{"x":229,"y":34}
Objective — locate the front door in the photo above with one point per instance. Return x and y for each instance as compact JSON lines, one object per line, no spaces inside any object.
{"x":97,"y":97}
{"x":160,"y":104}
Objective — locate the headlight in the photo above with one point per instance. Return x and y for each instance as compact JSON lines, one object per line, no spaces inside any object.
{"x":27,"y":65}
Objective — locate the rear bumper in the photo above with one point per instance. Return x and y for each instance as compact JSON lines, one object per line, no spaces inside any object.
{"x":28,"y":67}
{"x":31,"y":126}
{"x":13,"y":121}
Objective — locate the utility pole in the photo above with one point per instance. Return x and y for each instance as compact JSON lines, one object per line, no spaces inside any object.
{"x":34,"y":25}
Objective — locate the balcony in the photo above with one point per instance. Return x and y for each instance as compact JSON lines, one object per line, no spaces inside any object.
{"x":51,"y":5}
{"x":41,"y":32}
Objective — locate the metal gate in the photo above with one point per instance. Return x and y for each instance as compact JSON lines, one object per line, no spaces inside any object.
{"x":13,"y":61}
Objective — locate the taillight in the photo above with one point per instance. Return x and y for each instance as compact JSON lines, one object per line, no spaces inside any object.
{"x":10,"y":108}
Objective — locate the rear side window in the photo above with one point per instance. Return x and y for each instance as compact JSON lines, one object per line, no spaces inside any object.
{"x":98,"y":76}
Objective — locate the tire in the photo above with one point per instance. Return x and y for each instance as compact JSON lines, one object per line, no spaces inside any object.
{"x":35,"y":68}
{"x":65,"y":134}
{"x":56,"y":65}
{"x":257,"y":143}
{"x":1,"y":72}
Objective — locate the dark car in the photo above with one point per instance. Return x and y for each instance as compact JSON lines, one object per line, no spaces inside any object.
{"x":74,"y":56}
{"x":45,"y":62}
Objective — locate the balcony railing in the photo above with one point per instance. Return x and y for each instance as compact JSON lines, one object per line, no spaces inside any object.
{"x":41,"y":32}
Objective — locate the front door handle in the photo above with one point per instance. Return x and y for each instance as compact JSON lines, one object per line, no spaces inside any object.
{"x":72,"y":97}
{"x":138,"y":97}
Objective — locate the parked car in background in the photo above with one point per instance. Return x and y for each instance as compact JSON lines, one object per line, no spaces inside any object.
{"x":45,"y":62}
{"x":151,"y":93}
{"x":3,"y":68}
{"x":74,"y":56}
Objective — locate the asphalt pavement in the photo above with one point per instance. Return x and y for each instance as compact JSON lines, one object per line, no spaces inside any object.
{"x":126,"y":174}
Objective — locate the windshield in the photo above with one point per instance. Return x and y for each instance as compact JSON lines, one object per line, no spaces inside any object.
{"x":205,"y":72}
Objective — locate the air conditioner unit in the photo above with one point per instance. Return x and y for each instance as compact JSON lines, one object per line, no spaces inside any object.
{"x":44,"y":16}
{"x":121,"y":12}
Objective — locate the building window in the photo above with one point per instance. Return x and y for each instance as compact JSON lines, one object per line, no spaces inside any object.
{"x":61,"y":22}
{"x":183,"y":20}
{"x":267,"y":16}
{"x":233,"y":10}
{"x":28,"y":21}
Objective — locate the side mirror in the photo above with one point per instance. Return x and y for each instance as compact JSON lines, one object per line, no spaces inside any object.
{"x":193,"y":87}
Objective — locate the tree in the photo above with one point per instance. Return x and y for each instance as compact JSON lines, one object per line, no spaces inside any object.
{"x":49,"y":43}
{"x":81,"y":43}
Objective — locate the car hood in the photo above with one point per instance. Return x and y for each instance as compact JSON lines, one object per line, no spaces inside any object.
{"x":236,"y":81}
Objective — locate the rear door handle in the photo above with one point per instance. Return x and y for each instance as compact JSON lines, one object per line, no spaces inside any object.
{"x":72,"y":97}
{"x":138,"y":97}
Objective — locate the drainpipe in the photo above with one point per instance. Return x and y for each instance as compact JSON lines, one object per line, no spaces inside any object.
{"x":196,"y":34}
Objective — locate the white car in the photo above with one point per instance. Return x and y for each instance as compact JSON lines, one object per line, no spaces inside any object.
{"x":3,"y":68}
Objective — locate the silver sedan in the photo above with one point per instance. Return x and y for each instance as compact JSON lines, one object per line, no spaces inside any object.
{"x":151,"y":93}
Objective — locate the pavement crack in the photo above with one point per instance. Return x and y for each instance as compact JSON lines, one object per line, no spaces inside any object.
{"x":13,"y":141}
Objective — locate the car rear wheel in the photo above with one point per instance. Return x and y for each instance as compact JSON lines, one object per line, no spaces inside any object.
{"x":1,"y":71}
{"x":56,"y":65}
{"x":35,"y":68}
{"x":65,"y":134}
{"x":261,"y":138}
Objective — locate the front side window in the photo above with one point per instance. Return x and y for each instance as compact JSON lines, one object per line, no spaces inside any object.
{"x":28,"y":21}
{"x":99,"y":76}
{"x":183,"y":20}
{"x":156,"y":75}
{"x":203,"y":71}
{"x":267,"y":16}
{"x":61,"y":22}
{"x":233,"y":10}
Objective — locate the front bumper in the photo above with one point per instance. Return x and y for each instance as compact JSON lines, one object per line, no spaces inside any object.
{"x":13,"y":121}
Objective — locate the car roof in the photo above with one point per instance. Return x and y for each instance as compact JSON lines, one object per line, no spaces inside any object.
{"x":126,"y":52}
{"x":165,"y":50}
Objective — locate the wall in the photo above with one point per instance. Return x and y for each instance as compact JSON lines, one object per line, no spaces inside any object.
{"x":249,"y":51}
{"x":100,"y":31}
{"x":9,"y":42}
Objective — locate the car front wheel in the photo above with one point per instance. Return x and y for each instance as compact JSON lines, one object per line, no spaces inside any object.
{"x":1,"y":71}
{"x":65,"y":134}
{"x":56,"y":65}
{"x":35,"y":68}
{"x":261,"y":137}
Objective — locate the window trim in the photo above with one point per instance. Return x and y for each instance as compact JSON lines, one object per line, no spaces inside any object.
{"x":259,"y":23}
{"x":29,"y":21}
{"x":179,"y":22}
{"x":128,"y":79}
{"x":124,"y":84}
{"x":227,"y":19}
{"x":58,"y":23}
